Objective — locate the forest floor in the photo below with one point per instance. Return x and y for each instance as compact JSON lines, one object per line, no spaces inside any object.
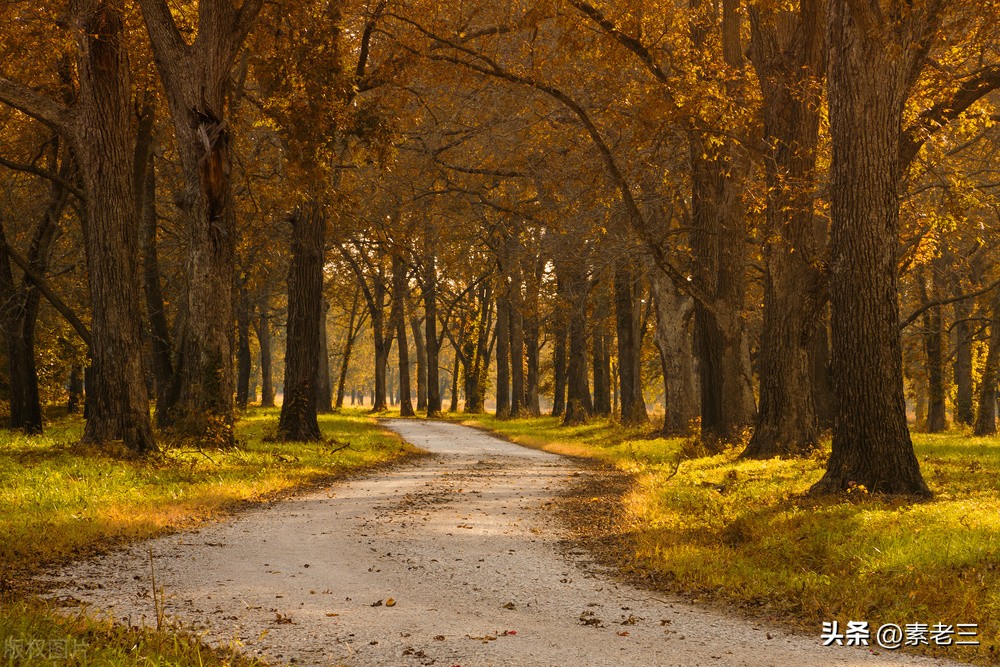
{"x":459,"y":558}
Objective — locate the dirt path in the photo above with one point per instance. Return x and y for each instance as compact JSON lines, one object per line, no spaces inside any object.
{"x":464,"y":545}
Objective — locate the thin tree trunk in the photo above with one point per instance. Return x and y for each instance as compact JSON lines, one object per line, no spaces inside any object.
{"x":503,"y":354}
{"x":628,"y":304}
{"x":75,"y":389}
{"x":986,"y":417}
{"x":962,"y":369}
{"x":264,"y":342}
{"x":305,"y":303}
{"x":516,"y":324}
{"x":453,"y":406}
{"x":243,"y":361}
{"x":561,"y":334}
{"x":400,"y":288}
{"x":345,"y":359}
{"x":324,"y":393}
{"x":933,"y":335}
{"x":430,"y":326}
{"x":421,"y":351}
{"x":579,"y":405}
{"x":163,"y":367}
{"x":600,"y":355}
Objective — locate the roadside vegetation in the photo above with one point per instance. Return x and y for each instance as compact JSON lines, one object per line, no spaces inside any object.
{"x":58,"y":502}
{"x":743,"y":532}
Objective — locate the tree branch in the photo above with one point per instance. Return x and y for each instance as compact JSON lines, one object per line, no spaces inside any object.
{"x":48,"y":293}
{"x":944,"y":302}
{"x":36,"y":105}
{"x":930,"y":121}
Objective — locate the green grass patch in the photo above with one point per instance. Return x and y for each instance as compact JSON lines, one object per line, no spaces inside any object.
{"x":59,"y":502}
{"x":743,"y":532}
{"x":33,"y":635}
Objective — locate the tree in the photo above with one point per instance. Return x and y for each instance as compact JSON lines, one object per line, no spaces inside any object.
{"x":101,"y":128}
{"x":305,"y":294}
{"x":196,"y":77}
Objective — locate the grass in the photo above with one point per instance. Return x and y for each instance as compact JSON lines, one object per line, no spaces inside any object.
{"x":59,"y":502}
{"x":718,"y":528}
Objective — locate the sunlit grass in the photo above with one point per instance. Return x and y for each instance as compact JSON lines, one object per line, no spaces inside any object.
{"x":58,"y":501}
{"x":724,"y":529}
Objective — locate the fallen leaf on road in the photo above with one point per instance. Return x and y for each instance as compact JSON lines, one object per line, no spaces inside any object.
{"x":377,"y":604}
{"x":333,"y":614}
{"x":390,"y":603}
{"x":623,"y":633}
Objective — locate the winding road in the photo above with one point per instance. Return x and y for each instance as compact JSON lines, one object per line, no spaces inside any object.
{"x":454,"y":559}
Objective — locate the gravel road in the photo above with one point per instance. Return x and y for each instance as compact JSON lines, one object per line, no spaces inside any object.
{"x":454,"y":560}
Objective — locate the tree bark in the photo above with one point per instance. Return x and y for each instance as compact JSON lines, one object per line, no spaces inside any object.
{"x":430,"y":325}
{"x":118,"y":407}
{"x":600,"y":354}
{"x":324,"y":392}
{"x":674,"y":313}
{"x":353,"y":329}
{"x":400,"y":289}
{"x":305,"y":296}
{"x":933,"y":335}
{"x":962,"y":368}
{"x":75,"y":389}
{"x":561,"y":334}
{"x":579,"y":405}
{"x":243,"y":361}
{"x":870,"y":73}
{"x":264,"y":342}
{"x":787,"y":52}
{"x":421,"y":349}
{"x":503,"y":351}
{"x":196,"y":77}
{"x":628,"y":304}
{"x":162,"y":358}
{"x":986,"y":417}
{"x":531,"y":345}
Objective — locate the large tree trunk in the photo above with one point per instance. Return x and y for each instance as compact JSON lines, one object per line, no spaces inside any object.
{"x":674,"y":312}
{"x":105,"y":142}
{"x":718,"y":241}
{"x":305,"y":309}
{"x":264,"y":342}
{"x":787,"y":52}
{"x":628,"y":304}
{"x":324,"y":392}
{"x":869,"y":82}
{"x":986,"y":417}
{"x":400,"y":289}
{"x":196,"y":78}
